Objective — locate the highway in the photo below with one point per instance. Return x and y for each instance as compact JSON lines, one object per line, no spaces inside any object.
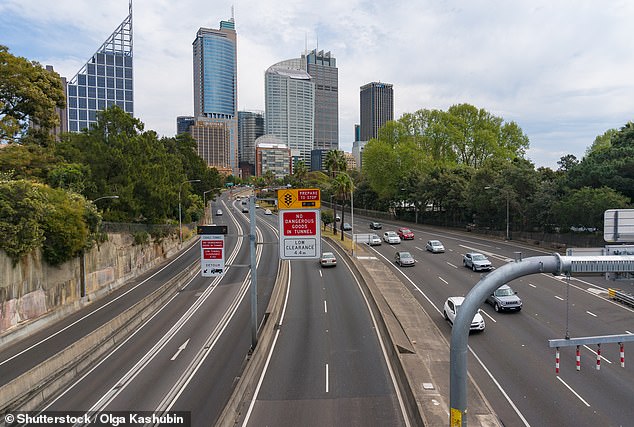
{"x":511,"y":361}
{"x":327,"y":366}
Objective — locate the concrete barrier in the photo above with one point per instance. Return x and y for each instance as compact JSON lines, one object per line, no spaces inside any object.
{"x":28,"y":391}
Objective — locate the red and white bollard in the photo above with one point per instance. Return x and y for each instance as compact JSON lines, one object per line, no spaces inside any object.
{"x":557,"y":361}
{"x":622,"y":355}
{"x":598,"y":356}
{"x":578,"y":359}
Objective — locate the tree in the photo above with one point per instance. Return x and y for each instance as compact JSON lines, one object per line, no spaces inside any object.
{"x":335,"y":162}
{"x":342,"y":188}
{"x":300,"y":171}
{"x":28,"y":93}
{"x":585,"y":207}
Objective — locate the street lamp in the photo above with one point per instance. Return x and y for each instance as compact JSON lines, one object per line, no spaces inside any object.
{"x":507,"y":208}
{"x":180,"y":221}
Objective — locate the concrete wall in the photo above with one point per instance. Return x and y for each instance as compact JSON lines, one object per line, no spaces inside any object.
{"x":32,"y":289}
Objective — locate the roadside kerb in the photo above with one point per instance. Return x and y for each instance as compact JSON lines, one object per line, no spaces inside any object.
{"x":245,"y":388}
{"x":28,"y":391}
{"x":421,"y":352}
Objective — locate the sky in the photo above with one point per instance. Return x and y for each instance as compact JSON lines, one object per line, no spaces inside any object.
{"x":562,"y":70}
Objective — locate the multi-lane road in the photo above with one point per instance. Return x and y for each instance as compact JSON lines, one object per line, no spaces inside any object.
{"x":511,"y":361}
{"x":328,"y":364}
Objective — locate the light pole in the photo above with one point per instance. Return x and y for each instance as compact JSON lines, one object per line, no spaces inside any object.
{"x":180,"y":221}
{"x":507,"y":208}
{"x":205,"y":202}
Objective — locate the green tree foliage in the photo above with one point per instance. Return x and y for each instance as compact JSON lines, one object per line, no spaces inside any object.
{"x":28,"y":92}
{"x":611,"y":166}
{"x":335,"y":162}
{"x":34,"y":215}
{"x":585,"y":207}
{"x":30,"y":162}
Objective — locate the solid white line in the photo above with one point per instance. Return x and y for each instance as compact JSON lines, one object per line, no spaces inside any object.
{"x":326,"y":378}
{"x":573,"y":392}
{"x":591,"y":314}
{"x":443,"y":280}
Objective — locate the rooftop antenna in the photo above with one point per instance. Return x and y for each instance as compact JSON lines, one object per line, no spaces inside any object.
{"x":232,"y":14}
{"x":306,"y":43}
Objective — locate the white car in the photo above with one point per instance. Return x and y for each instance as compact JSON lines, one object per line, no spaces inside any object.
{"x":268,"y":212}
{"x":391,"y":237}
{"x":450,"y":310}
{"x":374,"y":240}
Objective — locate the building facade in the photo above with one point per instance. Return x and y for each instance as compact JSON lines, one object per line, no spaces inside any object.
{"x":215,"y":84}
{"x":250,"y":128}
{"x":357,"y":153}
{"x":105,"y":80}
{"x":290,"y":106}
{"x":211,"y":137}
{"x":272,"y":155}
{"x":377,"y":108}
{"x":183,"y":123}
{"x":322,"y":68}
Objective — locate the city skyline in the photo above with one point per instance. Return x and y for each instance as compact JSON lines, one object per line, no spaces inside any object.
{"x":559,"y":71}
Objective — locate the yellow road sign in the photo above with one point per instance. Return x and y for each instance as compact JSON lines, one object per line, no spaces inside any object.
{"x":298,"y":198}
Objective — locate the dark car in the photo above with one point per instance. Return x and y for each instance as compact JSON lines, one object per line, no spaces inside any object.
{"x":505,"y":299}
{"x":376,"y":225}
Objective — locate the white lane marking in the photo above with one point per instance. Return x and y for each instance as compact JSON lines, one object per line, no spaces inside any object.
{"x":420,"y":249}
{"x":327,"y":385}
{"x":595,"y":353}
{"x":487,"y":315}
{"x":628,"y":332}
{"x":532,"y":286}
{"x":443,"y":280}
{"x":591,"y":313}
{"x":321,"y":275}
{"x":454,"y":266}
{"x":181,"y":348}
{"x":573,"y":392}
{"x":325,"y":307}
{"x":559,"y":298}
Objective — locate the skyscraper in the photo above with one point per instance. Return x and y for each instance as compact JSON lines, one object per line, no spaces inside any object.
{"x":323,"y":71}
{"x":215,"y":84}
{"x":290,"y":106}
{"x":250,"y":128}
{"x":105,"y":80}
{"x":377,"y":108}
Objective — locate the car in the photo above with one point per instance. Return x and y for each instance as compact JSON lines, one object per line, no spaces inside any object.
{"x":346,"y":227}
{"x":328,"y":260}
{"x":404,"y":259}
{"x":245,"y":209}
{"x":376,"y":226}
{"x":374,"y":240}
{"x":476,"y":261}
{"x":257,"y":206}
{"x":405,"y":233}
{"x":391,"y":237}
{"x":450,"y":310}
{"x":505,"y":298}
{"x":268,"y":212}
{"x":435,"y":246}
{"x":219,"y":212}
{"x":337,"y":218}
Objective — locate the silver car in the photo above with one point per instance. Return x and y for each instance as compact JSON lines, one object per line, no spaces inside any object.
{"x":374,"y":240}
{"x":476,"y":262}
{"x":435,"y":246}
{"x":505,"y":299}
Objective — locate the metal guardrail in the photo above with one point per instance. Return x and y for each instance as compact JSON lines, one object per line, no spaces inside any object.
{"x":620,"y":296}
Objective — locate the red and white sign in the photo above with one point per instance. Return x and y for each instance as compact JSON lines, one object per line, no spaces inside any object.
{"x":212,"y":255}
{"x":300,"y":234}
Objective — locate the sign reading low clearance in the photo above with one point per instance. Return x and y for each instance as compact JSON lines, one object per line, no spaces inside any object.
{"x":299,"y":198}
{"x":300,"y":234}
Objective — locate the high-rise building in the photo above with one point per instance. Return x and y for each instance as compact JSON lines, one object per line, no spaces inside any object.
{"x":250,"y":128}
{"x":183,"y":123}
{"x":323,"y":71}
{"x":377,"y":108}
{"x":211,"y":138}
{"x":105,"y":80}
{"x":272,"y":155}
{"x":215,"y":84}
{"x":290,"y":106}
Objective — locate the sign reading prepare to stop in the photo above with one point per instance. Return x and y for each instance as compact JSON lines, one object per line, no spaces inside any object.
{"x":300,"y":235}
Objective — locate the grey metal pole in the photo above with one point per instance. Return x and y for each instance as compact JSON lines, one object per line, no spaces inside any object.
{"x":254,"y":275}
{"x":507,"y":216}
{"x":352,"y":218}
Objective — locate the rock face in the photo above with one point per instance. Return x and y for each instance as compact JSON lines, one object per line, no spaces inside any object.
{"x":32,"y":288}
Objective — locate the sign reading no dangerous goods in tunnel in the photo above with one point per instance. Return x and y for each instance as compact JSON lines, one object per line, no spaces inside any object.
{"x":300,"y":235}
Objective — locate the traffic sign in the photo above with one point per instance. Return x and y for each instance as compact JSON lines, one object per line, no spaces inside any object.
{"x":212,"y":255}
{"x":300,"y":234}
{"x":298,"y":198}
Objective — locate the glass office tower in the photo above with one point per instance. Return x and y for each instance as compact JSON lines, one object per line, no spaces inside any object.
{"x":105,"y":80}
{"x":377,"y":108}
{"x":323,"y":71}
{"x":215,"y":83}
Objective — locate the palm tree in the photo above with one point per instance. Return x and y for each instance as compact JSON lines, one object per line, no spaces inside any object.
{"x":299,"y":173}
{"x":342,"y":187}
{"x":335,"y":162}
